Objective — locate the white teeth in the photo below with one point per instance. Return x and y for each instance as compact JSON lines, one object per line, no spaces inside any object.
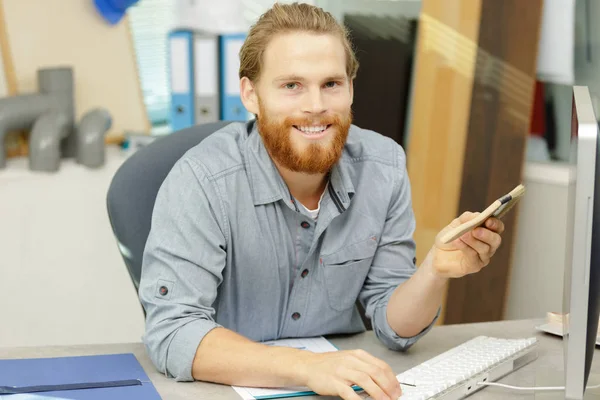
{"x":312,"y":129}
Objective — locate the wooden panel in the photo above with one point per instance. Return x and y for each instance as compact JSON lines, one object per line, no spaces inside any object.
{"x":71,"y":32}
{"x":474,"y":84}
{"x":15,"y":143}
{"x":445,"y":64}
{"x":7,"y":68}
{"x":498,"y":128}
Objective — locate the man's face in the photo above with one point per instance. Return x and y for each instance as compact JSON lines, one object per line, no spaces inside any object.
{"x":304,"y":100}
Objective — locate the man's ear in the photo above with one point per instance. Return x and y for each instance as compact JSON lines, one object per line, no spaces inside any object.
{"x":351,"y":91}
{"x":248,"y":95}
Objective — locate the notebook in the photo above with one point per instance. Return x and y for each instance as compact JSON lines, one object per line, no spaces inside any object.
{"x":98,"y":377}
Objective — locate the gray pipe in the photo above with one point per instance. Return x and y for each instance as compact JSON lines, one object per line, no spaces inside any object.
{"x":45,"y":139}
{"x":56,"y":93}
{"x":59,"y":83}
{"x":90,"y":137}
{"x":20,"y":112}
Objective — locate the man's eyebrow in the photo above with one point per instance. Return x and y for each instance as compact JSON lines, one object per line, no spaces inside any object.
{"x":339,"y":77}
{"x":289,"y":78}
{"x":336,"y":78}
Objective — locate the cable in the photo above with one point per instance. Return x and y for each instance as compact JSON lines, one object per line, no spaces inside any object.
{"x":521,"y":388}
{"x":530,"y":388}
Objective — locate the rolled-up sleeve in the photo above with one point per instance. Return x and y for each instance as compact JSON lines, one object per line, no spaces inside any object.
{"x":182,"y":267}
{"x":393,"y":263}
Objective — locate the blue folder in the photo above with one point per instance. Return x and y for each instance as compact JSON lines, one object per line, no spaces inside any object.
{"x":232,"y":108}
{"x":112,"y":376}
{"x":181,"y":59}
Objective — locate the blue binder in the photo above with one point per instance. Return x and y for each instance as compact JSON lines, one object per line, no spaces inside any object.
{"x":181,"y":62}
{"x":232,"y":108}
{"x":112,"y":376}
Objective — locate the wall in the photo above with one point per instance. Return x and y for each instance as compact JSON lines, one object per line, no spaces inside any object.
{"x":63,"y":278}
{"x":538,"y":264}
{"x":70,"y":32}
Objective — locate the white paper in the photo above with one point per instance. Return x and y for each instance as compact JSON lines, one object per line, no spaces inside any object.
{"x":316,"y":345}
{"x":557,"y":41}
{"x":205,"y":64}
{"x":232,"y":58}
{"x":180,"y":64}
{"x":555,"y":328}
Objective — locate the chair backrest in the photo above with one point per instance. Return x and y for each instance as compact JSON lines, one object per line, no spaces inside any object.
{"x":133,"y":189}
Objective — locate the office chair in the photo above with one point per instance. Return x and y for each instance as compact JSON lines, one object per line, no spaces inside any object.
{"x":133,"y":189}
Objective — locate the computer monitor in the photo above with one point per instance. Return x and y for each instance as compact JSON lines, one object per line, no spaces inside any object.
{"x":581,"y":297}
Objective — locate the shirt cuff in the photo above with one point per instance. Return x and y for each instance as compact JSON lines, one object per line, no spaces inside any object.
{"x":389,"y":337}
{"x":183,"y":347}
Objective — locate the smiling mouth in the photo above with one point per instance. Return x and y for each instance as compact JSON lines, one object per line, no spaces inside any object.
{"x":313,"y":129}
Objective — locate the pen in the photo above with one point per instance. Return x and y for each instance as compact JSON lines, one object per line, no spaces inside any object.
{"x":68,"y":386}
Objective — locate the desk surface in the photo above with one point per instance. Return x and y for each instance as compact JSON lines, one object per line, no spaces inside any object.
{"x":545,"y":371}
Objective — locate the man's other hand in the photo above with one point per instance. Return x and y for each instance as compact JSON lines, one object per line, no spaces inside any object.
{"x":469,"y":253}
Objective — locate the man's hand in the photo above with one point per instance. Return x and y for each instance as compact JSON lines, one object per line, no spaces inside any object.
{"x":334,"y":373}
{"x":469,"y":253}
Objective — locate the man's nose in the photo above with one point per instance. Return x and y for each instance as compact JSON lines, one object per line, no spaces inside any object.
{"x":314,"y":103}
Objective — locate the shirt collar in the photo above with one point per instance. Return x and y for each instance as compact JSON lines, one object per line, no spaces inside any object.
{"x":268,"y":186}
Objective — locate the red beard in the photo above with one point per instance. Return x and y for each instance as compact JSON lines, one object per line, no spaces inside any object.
{"x":316,"y":157}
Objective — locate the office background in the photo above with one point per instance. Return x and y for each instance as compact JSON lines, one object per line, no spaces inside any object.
{"x":450,"y":79}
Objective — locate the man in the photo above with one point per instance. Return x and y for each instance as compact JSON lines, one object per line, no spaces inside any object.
{"x":275,"y":228}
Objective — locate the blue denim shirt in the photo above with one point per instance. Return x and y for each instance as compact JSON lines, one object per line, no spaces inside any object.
{"x":229,"y":247}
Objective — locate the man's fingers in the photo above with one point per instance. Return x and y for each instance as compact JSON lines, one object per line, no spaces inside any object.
{"x":495,"y":225}
{"x":363,"y":380}
{"x":470,"y":262}
{"x":389,"y":385}
{"x":467,"y":216}
{"x":365,"y":356}
{"x":347,"y":393}
{"x":381,"y":373}
{"x":482,"y":248}
{"x":491,"y":238}
{"x":464,"y":217}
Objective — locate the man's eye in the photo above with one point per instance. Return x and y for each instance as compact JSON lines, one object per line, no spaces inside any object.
{"x":291,"y":85}
{"x":331,"y":84}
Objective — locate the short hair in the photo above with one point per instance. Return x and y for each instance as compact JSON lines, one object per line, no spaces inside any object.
{"x":284,"y":18}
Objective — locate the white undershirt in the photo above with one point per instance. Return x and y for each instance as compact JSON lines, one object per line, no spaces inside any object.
{"x":315,"y":213}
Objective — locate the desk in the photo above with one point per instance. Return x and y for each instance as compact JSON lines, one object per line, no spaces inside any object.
{"x":545,"y":371}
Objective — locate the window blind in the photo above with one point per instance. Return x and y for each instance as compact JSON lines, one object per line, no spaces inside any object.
{"x":150,"y":22}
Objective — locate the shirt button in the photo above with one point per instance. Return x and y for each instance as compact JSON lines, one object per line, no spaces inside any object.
{"x":304,"y":273}
{"x":296,"y":316}
{"x":305,"y":225}
{"x":163,"y":290}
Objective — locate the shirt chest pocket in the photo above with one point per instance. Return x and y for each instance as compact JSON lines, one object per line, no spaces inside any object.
{"x":345,"y":272}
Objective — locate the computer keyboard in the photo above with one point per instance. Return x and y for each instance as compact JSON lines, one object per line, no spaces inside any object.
{"x":455,"y":373}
